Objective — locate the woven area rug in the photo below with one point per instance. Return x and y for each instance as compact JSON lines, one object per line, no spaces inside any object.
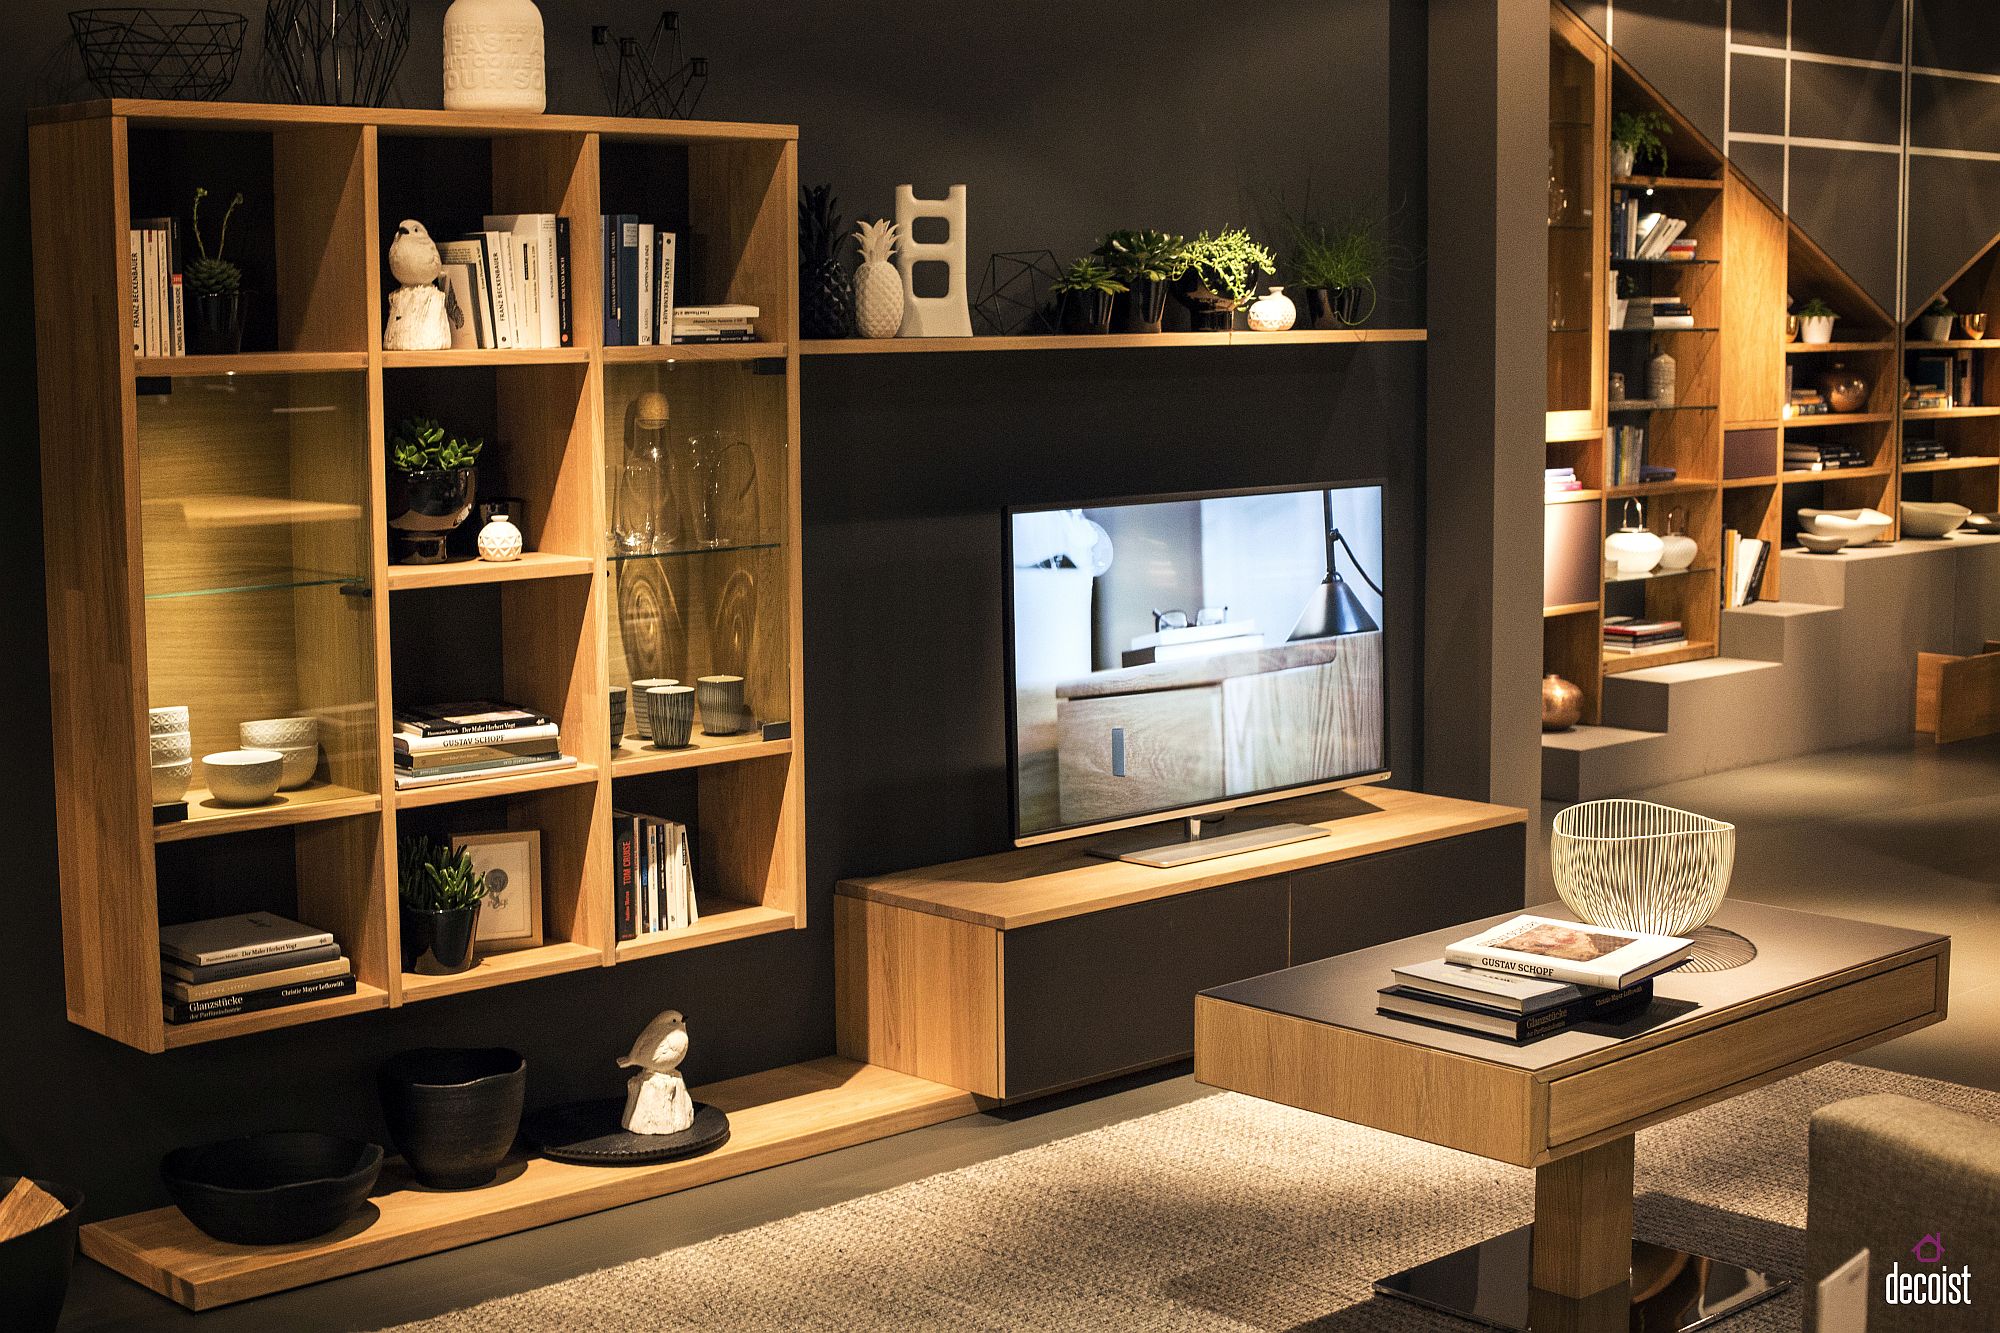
{"x":1225,"y":1213}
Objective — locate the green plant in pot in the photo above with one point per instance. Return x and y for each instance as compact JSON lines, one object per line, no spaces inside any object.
{"x":1086,"y":290}
{"x":826,"y":291}
{"x":1213,"y":275}
{"x":214,"y":288}
{"x":1339,"y":263}
{"x":1639,"y":136}
{"x":1935,"y":323}
{"x":432,"y":475}
{"x":441,"y":893}
{"x":1145,"y":262}
{"x":1815,"y":321}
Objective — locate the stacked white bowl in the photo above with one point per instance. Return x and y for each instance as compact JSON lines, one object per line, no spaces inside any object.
{"x":296,"y":738}
{"x":173,"y":757}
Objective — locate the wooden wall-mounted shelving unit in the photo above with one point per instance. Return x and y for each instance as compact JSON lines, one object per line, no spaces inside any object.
{"x":1969,"y":431}
{"x":216,"y":535}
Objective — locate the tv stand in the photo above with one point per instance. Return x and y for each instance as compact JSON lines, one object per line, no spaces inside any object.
{"x":1142,"y":846}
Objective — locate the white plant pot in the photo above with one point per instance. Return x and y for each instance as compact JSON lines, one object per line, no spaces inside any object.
{"x":493,"y":56}
{"x":1935,"y":328}
{"x":1622,"y":155}
{"x":1816,"y":328}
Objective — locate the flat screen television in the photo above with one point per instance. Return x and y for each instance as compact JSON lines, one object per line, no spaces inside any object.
{"x":1174,"y":657}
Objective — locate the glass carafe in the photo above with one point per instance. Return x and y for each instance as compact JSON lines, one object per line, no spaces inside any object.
{"x":646,"y":521}
{"x":718,"y":484}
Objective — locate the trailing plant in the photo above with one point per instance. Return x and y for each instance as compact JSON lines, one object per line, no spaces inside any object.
{"x":434,"y":878}
{"x":1349,"y":251}
{"x":421,"y":445}
{"x":211,"y":274}
{"x":1088,"y":275}
{"x":1642,"y":132}
{"x":1228,"y":262}
{"x":1940,"y":309}
{"x":1815,"y":309}
{"x":1140,"y":256}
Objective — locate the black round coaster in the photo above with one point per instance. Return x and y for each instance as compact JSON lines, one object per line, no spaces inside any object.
{"x":589,"y":1134}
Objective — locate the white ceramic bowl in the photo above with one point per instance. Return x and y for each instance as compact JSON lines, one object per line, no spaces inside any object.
{"x":1859,"y":526}
{"x":1932,"y":519}
{"x":243,"y":777}
{"x":170,"y":781}
{"x":171,"y":747}
{"x":174,"y":717}
{"x":301,"y":762}
{"x":279,"y":733}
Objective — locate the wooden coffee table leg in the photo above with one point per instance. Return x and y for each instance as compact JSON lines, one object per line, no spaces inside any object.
{"x":1583,"y":1220}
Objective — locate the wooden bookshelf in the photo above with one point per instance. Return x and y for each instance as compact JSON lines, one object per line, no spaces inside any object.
{"x":216,"y":533}
{"x":1970,"y":428}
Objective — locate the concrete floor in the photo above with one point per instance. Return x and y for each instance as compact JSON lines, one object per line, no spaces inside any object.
{"x":1907,"y":835}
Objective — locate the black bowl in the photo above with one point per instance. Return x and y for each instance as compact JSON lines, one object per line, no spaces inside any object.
{"x":34,"y":1266}
{"x":454,"y":1113}
{"x":268,"y":1189}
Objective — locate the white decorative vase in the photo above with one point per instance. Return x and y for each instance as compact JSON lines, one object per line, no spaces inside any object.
{"x":1661,"y":375}
{"x":493,"y":56}
{"x":950,"y":315}
{"x":1272,"y":312}
{"x":878,"y":300}
{"x":1633,"y":865}
{"x":1677,"y":550}
{"x":1623,"y":159}
{"x":1816,"y":328}
{"x":499,"y":539}
{"x":1633,"y":550}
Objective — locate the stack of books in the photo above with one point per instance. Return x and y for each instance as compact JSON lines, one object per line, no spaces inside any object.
{"x":655,"y":875}
{"x":1658,"y":312}
{"x":1683,"y":249}
{"x":1628,"y":454}
{"x":639,"y":273}
{"x":440,"y":743}
{"x":1923,"y":451}
{"x":1532,"y":978}
{"x":716,"y":324}
{"x":511,"y":282}
{"x":1743,"y":561}
{"x":1807,"y":403}
{"x":241,"y":964}
{"x":1558,"y":479}
{"x":1637,"y":235}
{"x":159,"y":313}
{"x":1652,"y":472}
{"x":1822,"y":455}
{"x":1629,"y":634}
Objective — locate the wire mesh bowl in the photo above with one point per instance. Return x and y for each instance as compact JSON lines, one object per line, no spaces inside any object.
{"x":179,"y":54}
{"x":335,"y":52}
{"x":1633,"y":865}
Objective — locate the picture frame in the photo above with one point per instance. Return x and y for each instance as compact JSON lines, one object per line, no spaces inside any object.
{"x":510,"y":916}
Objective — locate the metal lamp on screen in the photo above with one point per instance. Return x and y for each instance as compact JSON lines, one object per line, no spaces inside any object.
{"x":1333,"y":608}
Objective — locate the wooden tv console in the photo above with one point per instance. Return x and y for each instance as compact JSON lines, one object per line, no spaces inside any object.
{"x":1020,"y":974}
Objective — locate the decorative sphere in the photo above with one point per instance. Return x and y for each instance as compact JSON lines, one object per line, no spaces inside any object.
{"x":1562,"y":703}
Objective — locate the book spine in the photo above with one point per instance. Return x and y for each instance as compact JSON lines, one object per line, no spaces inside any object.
{"x":458,"y":740}
{"x":607,"y":252}
{"x":565,"y":328}
{"x":687,"y":875}
{"x":250,"y":1002}
{"x":187,"y":992}
{"x":648,"y":874}
{"x":677,"y":914}
{"x":500,"y":276}
{"x":411,"y":725}
{"x":176,"y":286}
{"x":648,"y":311}
{"x":628,"y":920}
{"x":458,"y":764}
{"x":628,"y":280}
{"x":188,"y":972}
{"x":149,"y":273}
{"x":669,"y":243}
{"x":264,"y":949}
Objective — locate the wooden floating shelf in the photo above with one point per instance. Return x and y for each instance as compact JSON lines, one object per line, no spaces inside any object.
{"x":721,"y":920}
{"x":656,"y":355}
{"x":1739,"y":483}
{"x":1573,"y":609}
{"x":1879,"y":346}
{"x":781,"y":1115}
{"x":1646,"y":488}
{"x":531,"y":565}
{"x":486,"y":356}
{"x":1952,"y":344}
{"x":633,"y":756}
{"x":478,"y":789}
{"x":154,"y":112}
{"x":1658,"y":574}
{"x":1062,"y":342}
{"x":322,"y":800}
{"x":497,"y":969}
{"x":1948,"y":413}
{"x":1665,"y":183}
{"x":1821,"y":420}
{"x":365,"y":998}
{"x":1618,"y":663}
{"x":1832,"y":474}
{"x":1571,"y":497}
{"x":247,"y":363}
{"x":1949,"y":464}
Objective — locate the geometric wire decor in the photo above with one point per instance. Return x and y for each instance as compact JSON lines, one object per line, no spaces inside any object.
{"x":1633,"y":865}
{"x":649,"y":78}
{"x":185,"y":54}
{"x":1014,"y":297}
{"x":336,"y":52}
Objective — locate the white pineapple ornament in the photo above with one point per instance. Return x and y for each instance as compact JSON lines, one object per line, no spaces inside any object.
{"x":878,"y":284}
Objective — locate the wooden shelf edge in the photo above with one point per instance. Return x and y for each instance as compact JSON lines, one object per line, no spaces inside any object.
{"x":1951,"y":344}
{"x":1949,"y":464}
{"x":455,"y":573}
{"x":1870,"y":346}
{"x":502,"y":969}
{"x":1687,"y":652}
{"x":1827,"y":474}
{"x":506,"y":785}
{"x":1063,"y":342}
{"x":247,"y":363}
{"x":1571,"y":497}
{"x":266,"y":115}
{"x":1645,"y":488}
{"x":1823,"y":419}
{"x":364,"y":999}
{"x":720,"y":923}
{"x":1572,"y":609}
{"x":634,"y":757}
{"x":778,"y":1116}
{"x":288,"y":809}
{"x":660,"y":354}
{"x":486,"y":356}
{"x":1947,"y":413}
{"x":1665,"y":183}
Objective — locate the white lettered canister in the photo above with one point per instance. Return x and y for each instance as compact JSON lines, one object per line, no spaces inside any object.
{"x":493,"y":56}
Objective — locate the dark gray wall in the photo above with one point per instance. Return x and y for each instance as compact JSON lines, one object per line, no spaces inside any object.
{"x":1191,"y":118}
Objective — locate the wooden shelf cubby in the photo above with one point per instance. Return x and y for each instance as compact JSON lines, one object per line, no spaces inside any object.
{"x":217,"y":536}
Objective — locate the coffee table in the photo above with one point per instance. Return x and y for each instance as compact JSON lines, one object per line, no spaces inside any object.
{"x":1818,"y":988}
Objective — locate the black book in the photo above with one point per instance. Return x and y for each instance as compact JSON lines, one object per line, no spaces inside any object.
{"x":627,"y":852}
{"x":1444,"y":1011}
{"x":459,"y":719}
{"x":568,"y":331}
{"x":249,"y":1002}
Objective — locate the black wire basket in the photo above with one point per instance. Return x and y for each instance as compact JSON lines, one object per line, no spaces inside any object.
{"x":335,"y":52}
{"x":177,"y":54}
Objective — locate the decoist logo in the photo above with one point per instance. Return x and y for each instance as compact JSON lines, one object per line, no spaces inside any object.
{"x":1940,"y":1287}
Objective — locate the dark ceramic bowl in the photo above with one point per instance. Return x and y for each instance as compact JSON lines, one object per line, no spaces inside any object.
{"x":453,"y":1113}
{"x":268,"y":1189}
{"x":34,"y":1266}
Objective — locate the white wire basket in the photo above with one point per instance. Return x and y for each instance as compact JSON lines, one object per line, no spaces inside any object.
{"x":1633,"y":865}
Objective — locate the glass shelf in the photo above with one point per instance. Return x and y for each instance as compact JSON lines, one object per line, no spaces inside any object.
{"x":1629,"y":407}
{"x":685,"y":551}
{"x":278,"y":581}
{"x":1658,"y":574}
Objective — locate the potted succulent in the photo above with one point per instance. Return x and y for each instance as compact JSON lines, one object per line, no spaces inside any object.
{"x":1144,"y":262}
{"x":1338,"y":262}
{"x":1214,"y":274}
{"x":1086,"y":290}
{"x":431,"y":477}
{"x":441,"y":893}
{"x":1636,"y":136}
{"x":215,"y":287}
{"x":826,"y":292}
{"x":1935,"y":322}
{"x":1816,"y":321}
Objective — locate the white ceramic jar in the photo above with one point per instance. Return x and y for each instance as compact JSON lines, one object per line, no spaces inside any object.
{"x":493,"y":56}
{"x":1632,"y":550}
{"x":499,"y":539}
{"x":1272,"y":312}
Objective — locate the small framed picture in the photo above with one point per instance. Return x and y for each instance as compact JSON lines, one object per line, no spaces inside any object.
{"x":511,"y":915}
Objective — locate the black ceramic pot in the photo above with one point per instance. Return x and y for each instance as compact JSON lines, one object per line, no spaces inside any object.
{"x":1340,"y":307}
{"x":425,"y":506}
{"x":446,"y":936}
{"x":1208,"y":310}
{"x":34,"y":1266}
{"x":215,"y":324}
{"x":1086,"y":312}
{"x":1144,"y":307}
{"x":453,"y":1113}
{"x":270,"y":1189}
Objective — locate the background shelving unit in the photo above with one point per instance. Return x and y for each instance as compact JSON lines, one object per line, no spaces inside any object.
{"x":216,"y":535}
{"x":1970,"y":428}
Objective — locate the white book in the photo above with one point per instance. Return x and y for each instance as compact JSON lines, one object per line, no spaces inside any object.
{"x":411,"y":742}
{"x":523,"y":233}
{"x":1501,"y":990}
{"x":472,"y":253}
{"x":149,"y":277}
{"x":716,"y":314}
{"x":462,"y":279}
{"x":687,"y":879}
{"x":500,"y":280}
{"x":542,"y":293}
{"x":1571,"y":951}
{"x":138,"y":293}
{"x":649,"y":313}
{"x":676,"y":876}
{"x":665,"y":244}
{"x":228,"y":938}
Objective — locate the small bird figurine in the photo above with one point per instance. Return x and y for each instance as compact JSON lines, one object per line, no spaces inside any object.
{"x":656,"y":1099}
{"x":422,"y":311}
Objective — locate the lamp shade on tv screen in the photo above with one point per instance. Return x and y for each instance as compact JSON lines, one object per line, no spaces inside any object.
{"x":1188,"y":653}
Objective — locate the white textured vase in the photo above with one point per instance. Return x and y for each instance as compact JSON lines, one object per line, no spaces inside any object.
{"x":878,"y":300}
{"x":1272,"y":312}
{"x":493,"y":56}
{"x":499,"y":540}
{"x":1633,"y":865}
{"x":949,"y":315}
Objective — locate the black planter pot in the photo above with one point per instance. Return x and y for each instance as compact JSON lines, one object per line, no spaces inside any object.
{"x":215,"y":324}
{"x":826,"y":300}
{"x":424,"y":507}
{"x":452,"y":1113}
{"x":35,"y":1265}
{"x":447,"y":937}
{"x":269,"y":1189}
{"x":1086,"y":312}
{"x":1340,"y":307}
{"x":1208,"y":311}
{"x":1142,"y":309}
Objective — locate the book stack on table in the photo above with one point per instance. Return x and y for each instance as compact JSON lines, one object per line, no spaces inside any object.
{"x":1534,"y":977}
{"x":241,"y":964}
{"x":441,"y":743}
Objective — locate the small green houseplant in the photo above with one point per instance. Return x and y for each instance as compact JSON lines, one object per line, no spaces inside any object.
{"x":214,"y":288}
{"x":1935,"y":322}
{"x":441,"y":893}
{"x":1338,"y":263}
{"x":1215,"y":274}
{"x":1638,"y":136}
{"x":1816,"y":321}
{"x":432,"y":476}
{"x":1145,"y":262}
{"x":1086,"y":290}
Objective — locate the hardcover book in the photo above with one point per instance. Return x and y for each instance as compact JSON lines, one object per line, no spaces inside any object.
{"x":188,"y":991}
{"x":1572,"y":951}
{"x":1500,"y":990}
{"x":1594,"y":1007}
{"x":228,"y":939}
{"x":277,"y":997}
{"x":455,"y":719}
{"x":247,"y":967}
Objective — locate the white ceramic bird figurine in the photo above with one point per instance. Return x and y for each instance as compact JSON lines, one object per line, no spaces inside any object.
{"x":420,"y":311}
{"x":656,"y":1098}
